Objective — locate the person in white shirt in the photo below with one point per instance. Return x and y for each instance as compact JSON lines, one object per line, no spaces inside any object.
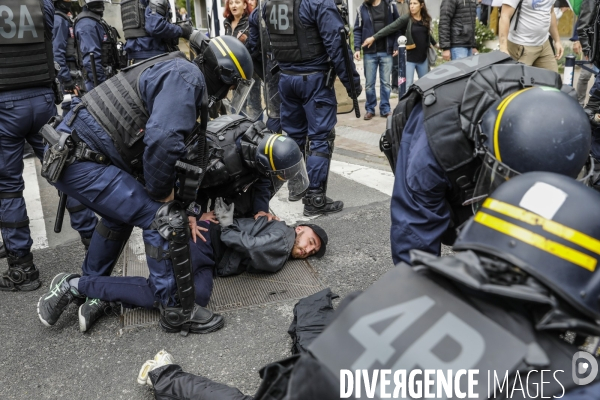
{"x":524,"y":28}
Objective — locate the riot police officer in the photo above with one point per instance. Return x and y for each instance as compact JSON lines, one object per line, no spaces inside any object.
{"x":148,"y":30}
{"x":456,"y":142}
{"x":28,"y":93}
{"x":525,"y":274}
{"x":65,"y":54}
{"x":94,"y":36}
{"x":248,"y":165}
{"x":305,"y":39}
{"x":123,"y":166}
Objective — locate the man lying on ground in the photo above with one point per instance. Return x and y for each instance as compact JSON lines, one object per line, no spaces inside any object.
{"x":231,"y":246}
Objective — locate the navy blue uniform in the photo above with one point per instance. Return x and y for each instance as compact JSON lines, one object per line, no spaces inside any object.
{"x":90,"y":35}
{"x":135,"y":291}
{"x":60,"y":36}
{"x":308,"y":106}
{"x":22,"y":113}
{"x":420,"y":212}
{"x":159,"y":30}
{"x":113,"y":192}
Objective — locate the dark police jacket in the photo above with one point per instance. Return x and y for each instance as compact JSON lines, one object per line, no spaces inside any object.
{"x":157,"y":141}
{"x":254,"y":246}
{"x":433,"y":130}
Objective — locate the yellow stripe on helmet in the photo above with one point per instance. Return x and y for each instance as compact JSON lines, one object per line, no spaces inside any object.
{"x":553,"y":227}
{"x":537,"y":241}
{"x":235,"y":60}
{"x":502,"y":107}
{"x":220,"y":48}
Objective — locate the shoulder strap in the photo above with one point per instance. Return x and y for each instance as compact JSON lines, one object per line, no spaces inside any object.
{"x":517,"y":14}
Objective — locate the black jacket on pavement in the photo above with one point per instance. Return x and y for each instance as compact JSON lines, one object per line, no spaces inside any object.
{"x":254,"y":246}
{"x":457,"y":24}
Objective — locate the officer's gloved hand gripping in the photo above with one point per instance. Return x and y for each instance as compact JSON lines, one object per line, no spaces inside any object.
{"x":224,"y":212}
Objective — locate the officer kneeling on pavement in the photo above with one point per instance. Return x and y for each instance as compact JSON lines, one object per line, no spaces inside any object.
{"x":248,"y":164}
{"x":232,"y":246}
{"x":461,"y":131}
{"x":116,"y":151}
{"x":524,"y":278}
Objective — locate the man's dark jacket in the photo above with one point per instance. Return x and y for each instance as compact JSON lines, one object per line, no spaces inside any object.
{"x":585,"y":24}
{"x":255,"y":246}
{"x":457,"y":24}
{"x":364,"y":26}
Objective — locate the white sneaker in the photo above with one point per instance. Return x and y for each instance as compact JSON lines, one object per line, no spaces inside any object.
{"x":161,"y":358}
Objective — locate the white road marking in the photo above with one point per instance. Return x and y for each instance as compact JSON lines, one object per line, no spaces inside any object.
{"x":31,"y":194}
{"x":291,"y":213}
{"x":370,"y":177}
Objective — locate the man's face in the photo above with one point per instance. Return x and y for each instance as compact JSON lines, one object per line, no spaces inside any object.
{"x":307,"y":242}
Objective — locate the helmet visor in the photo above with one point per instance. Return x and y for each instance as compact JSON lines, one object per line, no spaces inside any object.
{"x":296,"y":177}
{"x":493,"y":173}
{"x":237,"y":97}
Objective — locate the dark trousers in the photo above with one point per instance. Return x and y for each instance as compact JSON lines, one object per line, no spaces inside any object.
{"x":309,"y":110}
{"x":135,"y":291}
{"x":20,"y":120}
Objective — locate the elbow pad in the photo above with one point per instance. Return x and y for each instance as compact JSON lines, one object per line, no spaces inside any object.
{"x":159,"y":7}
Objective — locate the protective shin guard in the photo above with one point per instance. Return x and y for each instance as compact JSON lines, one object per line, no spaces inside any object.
{"x":21,"y":275}
{"x":171,"y":223}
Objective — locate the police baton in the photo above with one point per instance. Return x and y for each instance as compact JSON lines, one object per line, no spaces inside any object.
{"x":94,"y":75}
{"x":349,"y":69}
{"x":60,"y":212}
{"x":401,"y":66}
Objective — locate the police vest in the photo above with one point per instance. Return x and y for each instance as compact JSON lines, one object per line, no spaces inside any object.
{"x":455,"y":96}
{"x":26,"y":58}
{"x":71,"y":53}
{"x":133,"y":18}
{"x":291,"y":41}
{"x":232,"y":171}
{"x":117,"y":106}
{"x":110,"y":53}
{"x":409,"y":320}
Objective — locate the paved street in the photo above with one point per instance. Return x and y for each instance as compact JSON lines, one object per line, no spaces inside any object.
{"x":62,"y":363}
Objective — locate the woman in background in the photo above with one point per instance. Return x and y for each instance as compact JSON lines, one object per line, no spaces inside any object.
{"x":416,"y":27}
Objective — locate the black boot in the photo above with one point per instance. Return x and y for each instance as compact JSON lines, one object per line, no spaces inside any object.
{"x":21,"y":275}
{"x":296,"y":197}
{"x":2,"y":250}
{"x":316,"y":203}
{"x":202,"y":320}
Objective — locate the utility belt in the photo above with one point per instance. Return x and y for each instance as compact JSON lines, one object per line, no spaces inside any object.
{"x":63,"y":150}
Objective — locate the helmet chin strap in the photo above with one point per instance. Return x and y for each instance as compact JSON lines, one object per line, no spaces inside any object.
{"x":217,"y":90}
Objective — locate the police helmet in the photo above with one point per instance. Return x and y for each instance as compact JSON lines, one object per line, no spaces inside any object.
{"x":280,"y":158}
{"x":225,"y":63}
{"x":548,"y":226}
{"x":534,"y":129}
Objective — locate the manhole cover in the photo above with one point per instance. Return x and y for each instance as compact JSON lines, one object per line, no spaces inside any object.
{"x":296,"y":280}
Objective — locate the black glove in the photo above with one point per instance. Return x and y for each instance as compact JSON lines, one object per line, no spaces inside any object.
{"x":69,"y":87}
{"x":187,"y":31}
{"x":358,"y":89}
